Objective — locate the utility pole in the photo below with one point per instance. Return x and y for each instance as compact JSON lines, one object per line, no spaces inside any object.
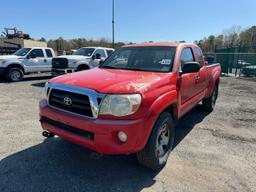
{"x":113,"y":23}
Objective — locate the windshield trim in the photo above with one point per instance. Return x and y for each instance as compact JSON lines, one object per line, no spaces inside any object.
{"x":29,"y":49}
{"x":84,"y":48}
{"x":139,"y":47}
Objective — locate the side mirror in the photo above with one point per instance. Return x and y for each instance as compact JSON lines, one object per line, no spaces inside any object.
{"x":98,"y":56}
{"x":32,"y":56}
{"x":191,"y":67}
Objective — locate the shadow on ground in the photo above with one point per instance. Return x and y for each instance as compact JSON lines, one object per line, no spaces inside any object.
{"x":57,"y":165}
{"x":29,"y":78}
{"x":188,"y":122}
{"x":41,"y":84}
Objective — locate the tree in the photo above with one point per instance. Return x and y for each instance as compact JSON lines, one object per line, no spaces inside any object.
{"x":42,"y":39}
{"x":231,"y":36}
{"x":248,"y":37}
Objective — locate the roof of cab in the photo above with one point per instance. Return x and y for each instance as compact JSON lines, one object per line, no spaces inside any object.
{"x":37,"y":47}
{"x":168,"y":44}
{"x":108,"y":48}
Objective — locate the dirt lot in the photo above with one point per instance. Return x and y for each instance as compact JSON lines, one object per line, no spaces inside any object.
{"x":214,"y":152}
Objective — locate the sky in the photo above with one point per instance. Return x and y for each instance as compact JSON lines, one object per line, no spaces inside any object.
{"x":136,"y":20}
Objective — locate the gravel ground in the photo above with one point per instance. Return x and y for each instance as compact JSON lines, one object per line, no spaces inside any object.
{"x":214,"y":152}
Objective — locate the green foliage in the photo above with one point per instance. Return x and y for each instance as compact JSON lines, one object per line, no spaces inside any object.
{"x":42,"y":39}
{"x":61,"y":44}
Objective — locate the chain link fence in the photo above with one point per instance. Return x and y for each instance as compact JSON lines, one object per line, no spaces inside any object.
{"x":236,"y":61}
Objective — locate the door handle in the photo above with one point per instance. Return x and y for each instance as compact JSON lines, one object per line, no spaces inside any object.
{"x":45,"y":60}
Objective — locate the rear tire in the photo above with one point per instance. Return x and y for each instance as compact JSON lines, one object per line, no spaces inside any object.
{"x":14,"y":74}
{"x":209,"y":103}
{"x":156,"y":152}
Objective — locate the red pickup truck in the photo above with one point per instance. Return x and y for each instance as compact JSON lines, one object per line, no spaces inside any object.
{"x":131,"y":102}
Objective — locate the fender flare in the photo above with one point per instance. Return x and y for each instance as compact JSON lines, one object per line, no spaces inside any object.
{"x":15,"y":64}
{"x":159,"y":105}
{"x":78,"y":64}
{"x":213,"y":81}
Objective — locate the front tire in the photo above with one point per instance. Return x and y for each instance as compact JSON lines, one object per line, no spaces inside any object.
{"x":160,"y":143}
{"x":14,"y":74}
{"x":83,"y":67}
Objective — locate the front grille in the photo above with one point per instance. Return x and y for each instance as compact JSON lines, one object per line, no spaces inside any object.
{"x":86,"y":134}
{"x":79,"y":104}
{"x":60,"y":63}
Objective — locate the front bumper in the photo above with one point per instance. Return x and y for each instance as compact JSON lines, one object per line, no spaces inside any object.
{"x":57,"y":72}
{"x":100,"y":135}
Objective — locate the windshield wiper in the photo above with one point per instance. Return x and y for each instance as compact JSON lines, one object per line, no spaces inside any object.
{"x":134,"y":69}
{"x":108,"y":67}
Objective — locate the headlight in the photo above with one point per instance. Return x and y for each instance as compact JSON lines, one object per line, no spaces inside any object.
{"x":120,"y":105}
{"x":46,"y":91}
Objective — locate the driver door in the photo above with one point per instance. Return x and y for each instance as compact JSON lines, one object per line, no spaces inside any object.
{"x":95,"y":62}
{"x":187,"y":87}
{"x":35,"y":62}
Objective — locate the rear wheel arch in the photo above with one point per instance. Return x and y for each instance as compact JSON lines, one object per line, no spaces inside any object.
{"x":217,"y":81}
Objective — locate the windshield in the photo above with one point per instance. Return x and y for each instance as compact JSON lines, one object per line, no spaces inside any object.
{"x":22,"y":52}
{"x":84,"y":51}
{"x":153,"y":58}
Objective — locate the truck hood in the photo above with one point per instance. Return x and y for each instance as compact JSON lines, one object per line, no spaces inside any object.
{"x":74,"y":57}
{"x":8,"y":57}
{"x":115,"y":81}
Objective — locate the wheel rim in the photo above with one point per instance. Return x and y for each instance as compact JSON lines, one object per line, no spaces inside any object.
{"x":15,"y":75}
{"x":163,"y":139}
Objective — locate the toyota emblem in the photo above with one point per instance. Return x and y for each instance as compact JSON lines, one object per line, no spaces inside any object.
{"x":67,"y":101}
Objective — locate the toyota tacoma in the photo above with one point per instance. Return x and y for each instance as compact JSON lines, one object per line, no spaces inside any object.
{"x":131,"y":103}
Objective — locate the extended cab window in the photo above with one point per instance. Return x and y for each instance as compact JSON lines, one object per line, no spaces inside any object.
{"x":199,"y":56}
{"x":186,"y":56}
{"x":48,"y":53}
{"x":151,"y":58}
{"x":37,"y":52}
{"x":101,"y":52}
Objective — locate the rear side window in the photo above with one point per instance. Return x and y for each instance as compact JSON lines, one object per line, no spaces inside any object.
{"x":48,"y":52}
{"x":186,"y":56}
{"x":37,"y":52}
{"x":199,"y":56}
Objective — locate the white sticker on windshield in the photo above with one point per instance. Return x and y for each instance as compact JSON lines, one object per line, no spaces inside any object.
{"x":166,"y":61}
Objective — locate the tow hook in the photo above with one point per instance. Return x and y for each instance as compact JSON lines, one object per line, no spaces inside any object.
{"x":47,"y":134}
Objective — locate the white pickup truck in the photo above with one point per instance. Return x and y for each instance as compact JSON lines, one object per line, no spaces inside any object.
{"x":82,"y":59}
{"x":25,"y":61}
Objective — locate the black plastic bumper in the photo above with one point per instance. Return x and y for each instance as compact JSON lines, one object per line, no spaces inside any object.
{"x":2,"y":70}
{"x":56,"y":72}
